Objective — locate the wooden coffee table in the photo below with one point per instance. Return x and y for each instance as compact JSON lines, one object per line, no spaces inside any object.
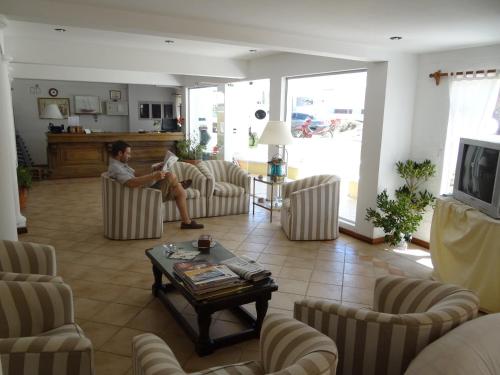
{"x":260,"y":294}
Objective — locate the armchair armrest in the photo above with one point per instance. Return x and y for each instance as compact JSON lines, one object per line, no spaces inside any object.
{"x":286,"y":343}
{"x":400,"y":295}
{"x":239,"y":177}
{"x":27,"y":257}
{"x":12,"y":276}
{"x":150,"y":355}
{"x":56,"y":354}
{"x":210,"y":179}
{"x":291,"y":187}
{"x":30,"y":308}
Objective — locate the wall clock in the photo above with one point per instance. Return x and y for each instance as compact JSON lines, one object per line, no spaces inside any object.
{"x":53,"y":92}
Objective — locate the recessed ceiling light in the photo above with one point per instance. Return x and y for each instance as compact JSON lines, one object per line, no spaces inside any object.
{"x":252,"y":50}
{"x":396,"y":38}
{"x":168,"y":41}
{"x":60,"y":29}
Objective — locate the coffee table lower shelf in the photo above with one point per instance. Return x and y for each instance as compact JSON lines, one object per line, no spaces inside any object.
{"x":204,"y":344}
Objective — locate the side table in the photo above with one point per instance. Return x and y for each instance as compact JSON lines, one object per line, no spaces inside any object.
{"x":268,"y":204}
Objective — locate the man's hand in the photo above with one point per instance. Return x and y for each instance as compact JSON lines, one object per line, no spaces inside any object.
{"x":158,"y":175}
{"x":157,"y":166}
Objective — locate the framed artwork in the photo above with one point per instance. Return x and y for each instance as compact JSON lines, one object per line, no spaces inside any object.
{"x":87,"y":105}
{"x":62,"y":103}
{"x":115,"y":94}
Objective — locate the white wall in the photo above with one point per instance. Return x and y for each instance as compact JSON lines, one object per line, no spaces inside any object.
{"x":33,"y":129}
{"x":432,"y":106}
{"x":144,"y":93}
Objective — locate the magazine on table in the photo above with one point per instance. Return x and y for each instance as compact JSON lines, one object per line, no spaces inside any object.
{"x":205,"y":275}
{"x":247,"y":268}
{"x":168,"y":162}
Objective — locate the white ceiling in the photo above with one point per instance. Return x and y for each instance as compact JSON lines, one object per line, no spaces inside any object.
{"x":39,"y":31}
{"x":425,"y":25}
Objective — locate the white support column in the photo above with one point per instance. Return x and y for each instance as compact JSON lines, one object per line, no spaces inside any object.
{"x":10,"y":216}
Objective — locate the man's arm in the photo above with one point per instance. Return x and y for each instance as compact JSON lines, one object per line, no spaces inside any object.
{"x":145,"y":180}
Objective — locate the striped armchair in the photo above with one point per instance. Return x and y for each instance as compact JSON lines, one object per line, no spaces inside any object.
{"x":310,"y":209}
{"x":286,"y":346}
{"x":130,"y":213}
{"x":26,"y":261}
{"x":38,"y":333}
{"x":228,"y":188}
{"x":408,"y":314}
{"x":196,"y":194}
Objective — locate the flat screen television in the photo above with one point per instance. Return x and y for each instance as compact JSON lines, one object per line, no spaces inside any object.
{"x":477,"y":176}
{"x":169,"y":125}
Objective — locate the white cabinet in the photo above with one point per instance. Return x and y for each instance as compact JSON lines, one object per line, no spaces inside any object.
{"x":118,"y":108}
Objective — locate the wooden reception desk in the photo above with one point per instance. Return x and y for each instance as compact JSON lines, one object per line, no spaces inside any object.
{"x":87,"y":155}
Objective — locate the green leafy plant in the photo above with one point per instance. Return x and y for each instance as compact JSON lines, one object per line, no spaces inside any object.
{"x":24,"y":179}
{"x":401,"y":216}
{"x":190,"y":149}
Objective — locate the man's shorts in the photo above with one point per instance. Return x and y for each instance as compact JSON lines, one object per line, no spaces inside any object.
{"x":167,"y":193}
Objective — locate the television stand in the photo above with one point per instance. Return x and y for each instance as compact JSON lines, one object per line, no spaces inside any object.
{"x":465,"y":250}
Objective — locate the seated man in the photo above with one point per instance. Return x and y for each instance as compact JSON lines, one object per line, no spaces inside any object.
{"x":165,"y":181}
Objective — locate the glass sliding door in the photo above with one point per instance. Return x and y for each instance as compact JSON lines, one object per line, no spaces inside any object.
{"x":206,"y":119}
{"x":247,"y":113}
{"x":325,"y":114}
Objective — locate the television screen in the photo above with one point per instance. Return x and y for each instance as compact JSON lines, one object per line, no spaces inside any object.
{"x":478,"y":172}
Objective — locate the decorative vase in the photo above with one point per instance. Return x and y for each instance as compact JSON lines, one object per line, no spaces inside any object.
{"x":23,"y":197}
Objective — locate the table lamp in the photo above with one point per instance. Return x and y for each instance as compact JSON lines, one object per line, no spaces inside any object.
{"x":277,"y":133}
{"x":52,"y":112}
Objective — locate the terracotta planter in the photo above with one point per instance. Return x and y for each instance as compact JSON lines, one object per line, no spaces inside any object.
{"x":194,"y":162}
{"x":23,"y":197}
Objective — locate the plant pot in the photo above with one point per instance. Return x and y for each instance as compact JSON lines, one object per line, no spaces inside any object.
{"x":189,"y":161}
{"x":23,"y":197}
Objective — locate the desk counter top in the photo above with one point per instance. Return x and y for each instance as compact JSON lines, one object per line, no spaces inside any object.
{"x":87,"y":155}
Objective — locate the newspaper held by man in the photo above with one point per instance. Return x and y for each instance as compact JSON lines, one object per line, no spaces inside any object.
{"x":169,"y":161}
{"x":247,"y":268}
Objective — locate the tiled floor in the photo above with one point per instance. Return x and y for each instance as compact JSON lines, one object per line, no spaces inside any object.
{"x":111,"y":280}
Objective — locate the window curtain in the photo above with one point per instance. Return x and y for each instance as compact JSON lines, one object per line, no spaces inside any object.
{"x":474,"y":112}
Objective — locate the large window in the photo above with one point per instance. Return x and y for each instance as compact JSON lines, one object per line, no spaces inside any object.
{"x":326,"y":115}
{"x":474,"y":113}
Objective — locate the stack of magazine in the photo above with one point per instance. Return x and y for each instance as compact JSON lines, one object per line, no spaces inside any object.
{"x":202,"y":279}
{"x":247,"y":268}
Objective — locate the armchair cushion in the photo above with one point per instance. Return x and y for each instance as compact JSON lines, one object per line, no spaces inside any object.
{"x":372,"y":342}
{"x":226,"y":189}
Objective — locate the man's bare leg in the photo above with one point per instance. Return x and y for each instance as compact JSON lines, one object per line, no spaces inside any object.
{"x":180,"y":200}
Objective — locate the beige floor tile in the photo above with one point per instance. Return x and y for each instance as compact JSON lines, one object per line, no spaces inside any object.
{"x":323,"y":265}
{"x":254,"y":247}
{"x":358,"y":269}
{"x":329,"y":291}
{"x":295,"y":273}
{"x":277,"y":260}
{"x":86,"y":308}
{"x":291,"y":285}
{"x":111,"y":364}
{"x":135,"y":297}
{"x":276,"y":250}
{"x":121,"y":342}
{"x":358,"y":281}
{"x":257,"y":239}
{"x":99,"y":333}
{"x":116,"y":314}
{"x":326,"y":277}
{"x":295,"y":262}
{"x":284,"y":301}
{"x":154,"y":320}
{"x":357,"y":295}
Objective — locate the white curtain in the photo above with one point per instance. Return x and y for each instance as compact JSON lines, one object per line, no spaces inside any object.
{"x":474,"y":112}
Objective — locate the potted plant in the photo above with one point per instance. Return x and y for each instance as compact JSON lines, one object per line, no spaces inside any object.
{"x":190,"y":150}
{"x":401,"y":216}
{"x":24,"y":182}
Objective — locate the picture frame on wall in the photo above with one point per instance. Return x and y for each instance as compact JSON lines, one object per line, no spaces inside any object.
{"x":115,"y":95}
{"x":87,"y":105}
{"x":62,"y":104}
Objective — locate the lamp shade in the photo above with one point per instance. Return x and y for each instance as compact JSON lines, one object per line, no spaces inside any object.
{"x":276,"y":133}
{"x":52,"y":111}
